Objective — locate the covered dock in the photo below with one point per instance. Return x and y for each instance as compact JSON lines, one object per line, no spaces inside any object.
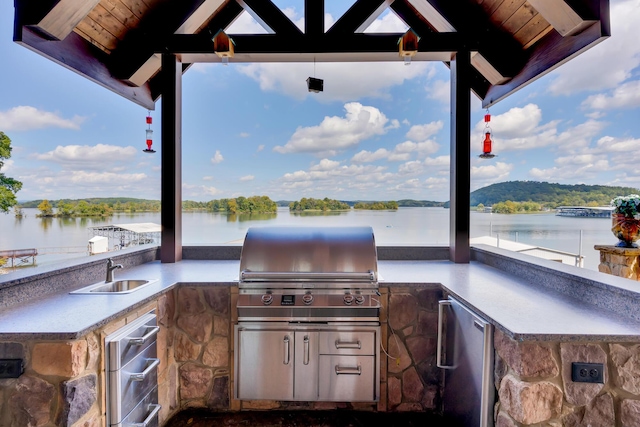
{"x":585,"y":211}
{"x":129,"y":234}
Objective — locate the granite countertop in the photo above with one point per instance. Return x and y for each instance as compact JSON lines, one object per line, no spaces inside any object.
{"x":522,"y":310}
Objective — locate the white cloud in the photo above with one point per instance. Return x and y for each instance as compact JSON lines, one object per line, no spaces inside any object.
{"x":424,"y":147}
{"x":368,"y":156}
{"x":439,"y":90}
{"x":244,"y":135}
{"x":611,"y":62}
{"x":515,"y":123}
{"x":25,"y":117}
{"x":387,"y":23}
{"x":568,"y":170}
{"x":207,"y":178}
{"x":247,"y":178}
{"x":422,"y":132}
{"x":325,"y":165}
{"x":481,"y":176}
{"x":626,"y":95}
{"x":197,"y":191}
{"x":6,"y":165}
{"x":217,"y":158}
{"x":260,"y":148}
{"x":85,"y":156}
{"x":342,"y":81}
{"x":441,"y":162}
{"x":401,"y":153}
{"x":335,"y":134}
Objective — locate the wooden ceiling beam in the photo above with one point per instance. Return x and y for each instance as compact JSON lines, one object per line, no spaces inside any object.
{"x":270,"y":17}
{"x":359,"y":16}
{"x":135,"y":51}
{"x":313,"y":17}
{"x":275,"y":44}
{"x":60,"y":21}
{"x":497,"y":47}
{"x":561,"y":16}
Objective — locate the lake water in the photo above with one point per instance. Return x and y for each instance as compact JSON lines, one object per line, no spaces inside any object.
{"x":406,"y":226}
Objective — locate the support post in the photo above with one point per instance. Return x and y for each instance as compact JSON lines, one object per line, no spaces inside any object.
{"x":171,"y":152}
{"x":460,"y":167}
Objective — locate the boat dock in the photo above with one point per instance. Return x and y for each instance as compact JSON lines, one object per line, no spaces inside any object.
{"x":585,"y":211}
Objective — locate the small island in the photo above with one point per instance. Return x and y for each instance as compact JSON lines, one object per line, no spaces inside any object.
{"x":377,"y":206}
{"x":323,"y":205}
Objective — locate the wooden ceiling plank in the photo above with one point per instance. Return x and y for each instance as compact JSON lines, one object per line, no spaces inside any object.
{"x":506,"y":9}
{"x":533,"y":31}
{"x":121,"y":12}
{"x":88,"y":38}
{"x":137,"y":7}
{"x":561,"y":16}
{"x":64,"y":17}
{"x":98,"y":33}
{"x":270,"y":17}
{"x":490,"y":6}
{"x":520,"y":18}
{"x":359,"y":16}
{"x":109,"y":22}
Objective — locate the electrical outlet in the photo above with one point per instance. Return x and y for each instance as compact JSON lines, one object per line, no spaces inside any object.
{"x":587,"y":372}
{"x":11,"y":368}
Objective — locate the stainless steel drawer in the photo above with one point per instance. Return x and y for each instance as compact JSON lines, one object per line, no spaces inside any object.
{"x":131,"y":383}
{"x":347,"y":378}
{"x":347,"y":342}
{"x":145,"y":414}
{"x":131,"y":340}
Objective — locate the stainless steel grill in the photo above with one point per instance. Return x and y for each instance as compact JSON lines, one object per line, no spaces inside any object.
{"x":308,"y":315}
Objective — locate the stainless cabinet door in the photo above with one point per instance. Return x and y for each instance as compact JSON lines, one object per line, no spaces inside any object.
{"x":469,"y":393}
{"x":265,"y":364}
{"x":306,"y":375}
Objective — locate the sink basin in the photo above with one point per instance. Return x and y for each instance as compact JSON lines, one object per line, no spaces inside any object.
{"x":125,"y":286}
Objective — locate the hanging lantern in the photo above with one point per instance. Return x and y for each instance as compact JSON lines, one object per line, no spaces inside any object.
{"x":149,"y":133}
{"x":486,"y":144}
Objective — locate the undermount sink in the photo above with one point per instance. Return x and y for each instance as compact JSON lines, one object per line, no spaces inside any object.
{"x":115,"y":287}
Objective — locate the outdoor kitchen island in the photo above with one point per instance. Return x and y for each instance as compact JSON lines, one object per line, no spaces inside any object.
{"x":545,"y":315}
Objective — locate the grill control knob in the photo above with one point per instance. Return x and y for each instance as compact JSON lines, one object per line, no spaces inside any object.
{"x":348,"y":299}
{"x":307,"y":298}
{"x":359,"y":299}
{"x":267,"y":299}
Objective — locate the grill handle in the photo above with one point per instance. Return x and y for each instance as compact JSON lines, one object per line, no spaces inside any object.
{"x":147,"y":421}
{"x":143,"y":339}
{"x":439,"y":362}
{"x":305,"y":359}
{"x":286,"y":350}
{"x":142,"y":375}
{"x":348,"y":370}
{"x":348,"y":344}
{"x":301,"y":275}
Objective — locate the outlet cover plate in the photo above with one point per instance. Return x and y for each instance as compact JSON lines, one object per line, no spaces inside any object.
{"x":587,"y":372}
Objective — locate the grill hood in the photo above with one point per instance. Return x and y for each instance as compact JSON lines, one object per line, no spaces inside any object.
{"x":309,"y":253}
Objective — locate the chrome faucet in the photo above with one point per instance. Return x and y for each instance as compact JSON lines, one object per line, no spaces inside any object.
{"x":110,"y":268}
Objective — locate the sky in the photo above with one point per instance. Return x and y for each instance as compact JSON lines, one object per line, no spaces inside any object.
{"x":378,"y":131}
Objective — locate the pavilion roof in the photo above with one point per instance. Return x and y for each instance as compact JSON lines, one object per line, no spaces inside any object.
{"x":118,"y":43}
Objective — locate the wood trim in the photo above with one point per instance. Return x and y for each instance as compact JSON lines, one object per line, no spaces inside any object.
{"x":548,"y":54}
{"x":80,"y":56}
{"x":64,"y":17}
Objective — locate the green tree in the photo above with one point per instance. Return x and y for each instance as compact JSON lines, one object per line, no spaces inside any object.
{"x":8,"y":186}
{"x":45,"y":208}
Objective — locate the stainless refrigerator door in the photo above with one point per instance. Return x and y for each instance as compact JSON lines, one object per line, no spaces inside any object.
{"x":465,"y":351}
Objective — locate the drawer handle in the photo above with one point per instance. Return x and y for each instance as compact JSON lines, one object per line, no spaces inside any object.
{"x":348,"y":371}
{"x":141,"y":376}
{"x":348,"y":344}
{"x":143,"y":339}
{"x":286,"y":350}
{"x":145,"y":423}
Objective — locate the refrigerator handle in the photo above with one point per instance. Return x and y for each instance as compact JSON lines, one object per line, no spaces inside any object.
{"x":441,"y":305}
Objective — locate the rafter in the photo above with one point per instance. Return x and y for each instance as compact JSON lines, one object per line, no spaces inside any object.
{"x":561,"y":16}
{"x":270,"y":17}
{"x":359,"y":16}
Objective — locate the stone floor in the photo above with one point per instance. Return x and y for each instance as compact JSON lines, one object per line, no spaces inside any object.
{"x":338,"y":418}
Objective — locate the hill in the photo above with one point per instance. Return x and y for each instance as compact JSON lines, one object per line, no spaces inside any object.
{"x":90,"y":200}
{"x":549,"y":194}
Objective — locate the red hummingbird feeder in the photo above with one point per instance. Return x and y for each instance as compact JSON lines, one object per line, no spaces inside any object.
{"x":486,"y":144}
{"x":149,"y":135}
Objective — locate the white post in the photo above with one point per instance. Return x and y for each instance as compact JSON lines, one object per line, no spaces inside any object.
{"x":498,"y":240}
{"x":490,"y":228}
{"x":516,"y":236}
{"x":579,"y":262}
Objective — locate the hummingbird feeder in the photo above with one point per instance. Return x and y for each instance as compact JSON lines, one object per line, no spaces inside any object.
{"x":486,"y":144}
{"x":149,"y":135}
